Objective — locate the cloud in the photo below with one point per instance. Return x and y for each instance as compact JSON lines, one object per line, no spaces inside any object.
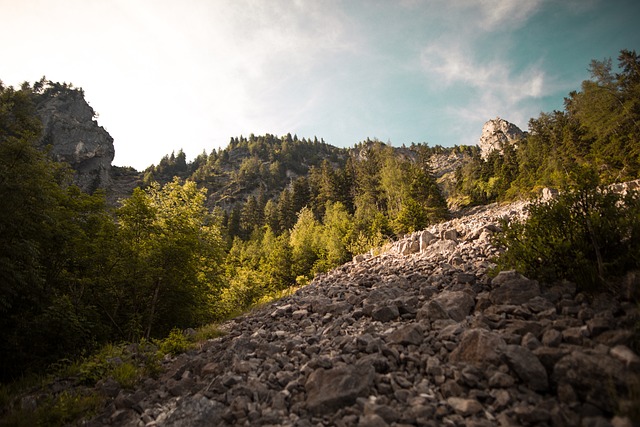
{"x":504,"y":13}
{"x":471,"y":66}
{"x":484,"y":89}
{"x":458,"y":65}
{"x":489,"y":15}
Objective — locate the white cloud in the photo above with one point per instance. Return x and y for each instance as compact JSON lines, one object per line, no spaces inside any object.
{"x":477,"y":89}
{"x":471,"y":64}
{"x":504,"y":13}
{"x":453,"y":65}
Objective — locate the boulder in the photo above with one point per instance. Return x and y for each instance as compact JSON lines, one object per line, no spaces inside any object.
{"x":454,"y":305}
{"x":407,"y":334}
{"x":511,"y":287}
{"x":331,"y":389}
{"x":464,"y":407}
{"x":425,"y":238}
{"x":589,"y":373}
{"x":527,"y":366}
{"x":478,"y":346}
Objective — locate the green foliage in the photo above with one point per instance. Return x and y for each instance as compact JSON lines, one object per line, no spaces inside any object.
{"x":175,"y":343}
{"x":585,"y":235}
{"x":66,"y":408}
{"x":174,"y":251}
{"x":74,"y":275}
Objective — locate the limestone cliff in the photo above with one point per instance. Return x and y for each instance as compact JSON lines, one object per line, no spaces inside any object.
{"x":496,"y":133}
{"x":72,"y":135}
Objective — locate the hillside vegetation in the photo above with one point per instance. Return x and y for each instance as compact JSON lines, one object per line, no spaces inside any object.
{"x":202,"y":240}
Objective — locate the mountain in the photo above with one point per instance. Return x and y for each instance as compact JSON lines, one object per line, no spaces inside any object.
{"x":264,"y":164}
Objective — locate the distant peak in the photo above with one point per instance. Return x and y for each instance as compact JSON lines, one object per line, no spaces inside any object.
{"x":496,"y":133}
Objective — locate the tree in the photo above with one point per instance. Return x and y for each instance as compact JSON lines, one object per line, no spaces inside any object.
{"x":337,"y":226}
{"x":305,"y":243}
{"x":608,"y":110}
{"x":250,"y":217}
{"x":174,"y":252}
{"x":277,"y":262}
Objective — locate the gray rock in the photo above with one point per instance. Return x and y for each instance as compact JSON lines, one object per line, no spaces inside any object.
{"x":552,"y":338}
{"x":527,"y":366}
{"x":407,"y":334}
{"x":501,"y":380}
{"x":479,"y":346}
{"x":496,"y":134}
{"x":425,"y":238}
{"x":331,"y":389}
{"x":530,"y":341}
{"x":587,"y":373}
{"x":464,"y":407}
{"x":372,"y":420}
{"x":626,"y":356}
{"x":70,"y":129}
{"x":197,"y":411}
{"x":442,"y":247}
{"x":456,"y":304}
{"x":513,"y":288}
{"x":385,"y":313}
{"x":432,"y":310}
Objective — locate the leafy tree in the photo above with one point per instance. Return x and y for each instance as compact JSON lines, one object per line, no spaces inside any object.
{"x":305,"y":243}
{"x":174,"y":253}
{"x":337,"y":229}
{"x":277,"y":261}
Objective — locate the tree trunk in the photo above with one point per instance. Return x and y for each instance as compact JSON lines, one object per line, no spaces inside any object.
{"x":154,"y":302}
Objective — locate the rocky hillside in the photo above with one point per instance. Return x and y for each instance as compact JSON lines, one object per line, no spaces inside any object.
{"x":417,"y":335}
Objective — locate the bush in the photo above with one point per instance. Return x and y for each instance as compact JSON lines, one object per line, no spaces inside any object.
{"x":175,"y":343}
{"x":586,"y":235}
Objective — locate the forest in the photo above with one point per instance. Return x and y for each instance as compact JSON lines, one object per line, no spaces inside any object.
{"x":204,"y":240}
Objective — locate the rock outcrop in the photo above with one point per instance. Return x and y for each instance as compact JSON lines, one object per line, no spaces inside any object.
{"x":74,"y":137}
{"x":497,"y":133}
{"x":419,"y":335}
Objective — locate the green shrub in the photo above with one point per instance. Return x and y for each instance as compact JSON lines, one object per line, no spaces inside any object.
{"x":586,"y":235}
{"x":207,"y":332}
{"x":126,"y":374}
{"x":175,"y":343}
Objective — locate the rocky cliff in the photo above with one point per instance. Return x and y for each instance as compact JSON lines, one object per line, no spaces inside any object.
{"x":418,"y":335}
{"x":496,"y":133}
{"x":71,"y":131}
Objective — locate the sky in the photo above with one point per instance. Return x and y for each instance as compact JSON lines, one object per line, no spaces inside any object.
{"x":165,"y":75}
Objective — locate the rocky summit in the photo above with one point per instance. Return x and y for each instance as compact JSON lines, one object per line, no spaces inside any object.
{"x":497,"y":133}
{"x":74,"y":136}
{"x":419,"y":335}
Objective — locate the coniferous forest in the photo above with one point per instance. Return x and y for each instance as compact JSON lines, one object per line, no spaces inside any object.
{"x":203,"y":240}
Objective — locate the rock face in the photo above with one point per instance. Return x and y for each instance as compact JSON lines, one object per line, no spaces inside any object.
{"x":497,"y":133}
{"x":74,"y":136}
{"x":419,"y":335}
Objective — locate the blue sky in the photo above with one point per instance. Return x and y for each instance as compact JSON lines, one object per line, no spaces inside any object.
{"x":165,"y":75}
